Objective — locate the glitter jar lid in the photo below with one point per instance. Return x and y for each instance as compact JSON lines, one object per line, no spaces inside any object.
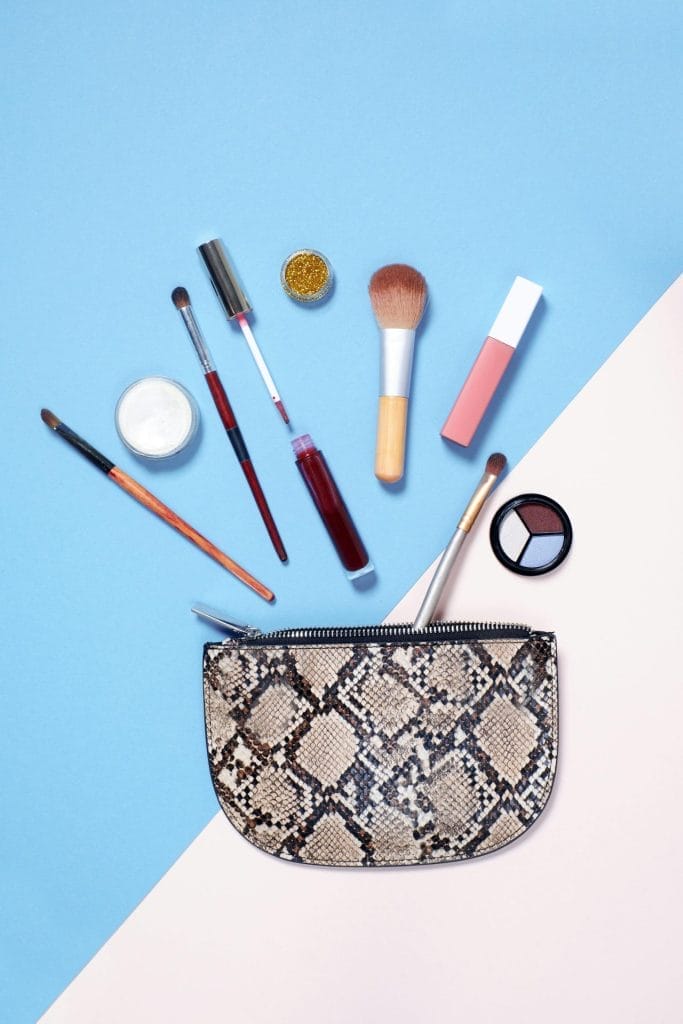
{"x":306,"y":276}
{"x":156,"y":417}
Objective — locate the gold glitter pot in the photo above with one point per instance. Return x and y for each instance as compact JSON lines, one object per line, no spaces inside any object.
{"x":306,"y":276}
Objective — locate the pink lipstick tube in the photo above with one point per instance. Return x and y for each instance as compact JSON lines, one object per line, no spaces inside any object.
{"x":492,"y":361}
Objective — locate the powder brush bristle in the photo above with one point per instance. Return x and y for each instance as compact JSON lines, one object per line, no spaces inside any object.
{"x":180,"y":298}
{"x":495,"y":464}
{"x":398,"y":294}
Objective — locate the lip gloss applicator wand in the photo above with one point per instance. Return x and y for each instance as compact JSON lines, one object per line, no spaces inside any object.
{"x":235,"y":303}
{"x":181,"y":301}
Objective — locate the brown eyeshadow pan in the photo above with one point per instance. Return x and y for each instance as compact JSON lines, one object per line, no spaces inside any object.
{"x":540,"y":517}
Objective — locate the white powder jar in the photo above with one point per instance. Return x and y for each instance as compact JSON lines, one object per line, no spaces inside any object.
{"x":156,"y":417}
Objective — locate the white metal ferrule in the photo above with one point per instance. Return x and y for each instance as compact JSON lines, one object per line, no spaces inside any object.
{"x":396,"y":364}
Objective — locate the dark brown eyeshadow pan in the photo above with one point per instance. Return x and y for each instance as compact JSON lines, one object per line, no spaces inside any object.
{"x":540,"y":518}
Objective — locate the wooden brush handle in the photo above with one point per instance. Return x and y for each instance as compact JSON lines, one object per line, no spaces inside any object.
{"x":147,"y":499}
{"x":392,"y":417}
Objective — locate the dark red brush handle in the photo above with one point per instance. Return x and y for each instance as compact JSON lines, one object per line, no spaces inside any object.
{"x":235,"y":434}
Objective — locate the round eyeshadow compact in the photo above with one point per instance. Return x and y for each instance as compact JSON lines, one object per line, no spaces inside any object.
{"x":531,"y":534}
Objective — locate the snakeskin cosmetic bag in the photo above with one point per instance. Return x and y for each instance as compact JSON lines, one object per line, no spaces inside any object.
{"x":382,"y":745}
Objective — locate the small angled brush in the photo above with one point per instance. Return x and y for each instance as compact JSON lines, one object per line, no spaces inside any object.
{"x":146,"y":498}
{"x":494,"y":467}
{"x":398,"y":294}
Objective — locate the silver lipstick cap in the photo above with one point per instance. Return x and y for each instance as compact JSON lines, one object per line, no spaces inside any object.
{"x":224,"y":278}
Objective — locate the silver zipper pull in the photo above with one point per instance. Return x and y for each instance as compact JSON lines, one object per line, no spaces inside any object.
{"x":234,"y":629}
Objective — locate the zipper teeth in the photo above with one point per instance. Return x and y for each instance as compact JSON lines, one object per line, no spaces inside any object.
{"x":395,"y":631}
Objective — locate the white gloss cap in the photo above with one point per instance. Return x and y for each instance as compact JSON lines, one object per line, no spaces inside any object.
{"x":516,"y":312}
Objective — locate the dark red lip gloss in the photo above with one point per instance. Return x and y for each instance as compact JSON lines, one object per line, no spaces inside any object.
{"x":331,"y":506}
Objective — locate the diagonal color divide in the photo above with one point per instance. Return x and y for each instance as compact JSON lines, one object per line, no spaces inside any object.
{"x":582,"y":911}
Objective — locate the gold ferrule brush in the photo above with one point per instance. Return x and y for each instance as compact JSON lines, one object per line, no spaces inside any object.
{"x":476,"y":502}
{"x":494,"y":467}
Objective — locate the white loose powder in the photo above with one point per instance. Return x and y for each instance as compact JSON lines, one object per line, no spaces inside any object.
{"x":155,"y":417}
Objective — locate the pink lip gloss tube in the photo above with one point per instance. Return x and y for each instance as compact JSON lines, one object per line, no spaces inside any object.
{"x":332,"y":507}
{"x":492,"y":361}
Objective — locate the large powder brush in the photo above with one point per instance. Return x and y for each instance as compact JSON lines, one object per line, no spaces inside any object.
{"x":398,"y":294}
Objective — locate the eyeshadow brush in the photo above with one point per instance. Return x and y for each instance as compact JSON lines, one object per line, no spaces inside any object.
{"x":494,"y":467}
{"x":181,"y":301}
{"x":141,"y":494}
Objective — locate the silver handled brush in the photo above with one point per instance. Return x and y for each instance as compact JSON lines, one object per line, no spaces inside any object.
{"x":494,"y":467}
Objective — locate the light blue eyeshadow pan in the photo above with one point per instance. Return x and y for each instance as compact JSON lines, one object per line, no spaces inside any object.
{"x":541,"y":550}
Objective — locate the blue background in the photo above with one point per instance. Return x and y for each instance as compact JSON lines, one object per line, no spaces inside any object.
{"x":477,"y":141}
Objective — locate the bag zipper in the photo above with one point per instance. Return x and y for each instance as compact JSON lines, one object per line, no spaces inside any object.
{"x":366,"y":634}
{"x":392,"y":632}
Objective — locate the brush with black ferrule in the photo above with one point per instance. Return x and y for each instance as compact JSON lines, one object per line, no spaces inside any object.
{"x":146,"y":498}
{"x":181,"y":301}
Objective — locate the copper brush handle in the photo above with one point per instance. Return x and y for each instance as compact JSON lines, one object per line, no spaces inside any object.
{"x":146,"y":498}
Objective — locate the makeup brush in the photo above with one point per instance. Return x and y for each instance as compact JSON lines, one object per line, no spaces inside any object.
{"x":181,"y":301}
{"x":235,"y":303}
{"x":398,"y":294}
{"x":147,"y":499}
{"x":494,"y":467}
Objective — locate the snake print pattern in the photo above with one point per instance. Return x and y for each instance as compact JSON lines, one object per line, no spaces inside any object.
{"x":380,"y":754}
